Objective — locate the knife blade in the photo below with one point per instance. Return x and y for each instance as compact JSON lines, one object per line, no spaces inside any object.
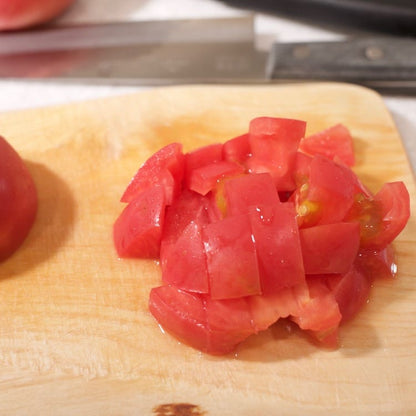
{"x":221,"y":50}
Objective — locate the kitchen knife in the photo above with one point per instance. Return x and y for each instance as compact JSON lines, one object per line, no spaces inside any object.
{"x":386,"y":16}
{"x":201,"y":51}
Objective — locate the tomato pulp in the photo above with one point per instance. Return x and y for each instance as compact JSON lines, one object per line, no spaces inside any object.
{"x":270,"y":224}
{"x":18,"y":200}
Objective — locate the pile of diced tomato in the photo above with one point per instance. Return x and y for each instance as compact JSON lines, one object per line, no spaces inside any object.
{"x":268,"y":225}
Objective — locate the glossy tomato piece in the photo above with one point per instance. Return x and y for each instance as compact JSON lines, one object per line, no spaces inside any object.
{"x":203,"y":156}
{"x":351,"y":291}
{"x":212,"y":326}
{"x":320,"y":315}
{"x":268,"y":308}
{"x":328,"y":194}
{"x":165,"y":168}
{"x":184,"y":262}
{"x":249,"y":190}
{"x":302,"y":168}
{"x":383,"y":217}
{"x":237,"y":149}
{"x":274,"y":143}
{"x":231,"y":258}
{"x":137,"y":232}
{"x":278,"y":248}
{"x":335,"y":143}
{"x":330,"y":248}
{"x":376,"y":264}
{"x":182,"y":255}
{"x":229,"y":323}
{"x":188,"y":207}
{"x":205,"y":178}
{"x":181,"y":313}
{"x":18,"y":200}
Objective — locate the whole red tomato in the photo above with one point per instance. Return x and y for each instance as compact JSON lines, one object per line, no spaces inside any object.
{"x":18,"y":200}
{"x":19,"y":14}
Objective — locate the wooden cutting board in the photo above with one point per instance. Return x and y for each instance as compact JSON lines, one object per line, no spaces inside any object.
{"x":76,"y":337}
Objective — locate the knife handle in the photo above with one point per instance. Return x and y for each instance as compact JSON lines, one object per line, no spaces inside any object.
{"x":362,"y":60}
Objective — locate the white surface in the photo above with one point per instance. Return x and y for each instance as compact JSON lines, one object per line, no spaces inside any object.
{"x":15,"y":95}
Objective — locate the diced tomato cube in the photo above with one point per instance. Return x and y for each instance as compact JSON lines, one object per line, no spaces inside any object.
{"x":181,"y":313}
{"x":278,"y":247}
{"x":334,"y":143}
{"x":351,"y":291}
{"x":328,"y":195}
{"x":301,"y":171}
{"x":188,"y":207}
{"x":212,"y":326}
{"x":320,"y":314}
{"x":330,"y":248}
{"x":250,"y":190}
{"x":203,"y":156}
{"x":231,"y":258}
{"x":165,"y":168}
{"x":383,"y":217}
{"x":137,"y":231}
{"x":377,"y":263}
{"x":204,"y":179}
{"x":237,"y":149}
{"x":274,"y":143}
{"x":266,"y":309}
{"x":184,"y":262}
{"x":229,"y":323}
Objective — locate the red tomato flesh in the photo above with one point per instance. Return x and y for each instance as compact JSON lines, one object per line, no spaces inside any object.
{"x":165,"y":168}
{"x":138,"y":230}
{"x":246,"y":191}
{"x":268,"y":225}
{"x":274,"y":143}
{"x":231,"y":258}
{"x":334,"y":143}
{"x":277,"y":242}
{"x":237,"y":149}
{"x":330,"y":248}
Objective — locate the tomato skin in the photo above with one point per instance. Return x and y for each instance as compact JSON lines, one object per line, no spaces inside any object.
{"x":18,"y":200}
{"x":334,"y":143}
{"x":330,"y":248}
{"x":137,"y":232}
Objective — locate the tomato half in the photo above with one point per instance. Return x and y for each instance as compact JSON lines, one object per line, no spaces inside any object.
{"x":18,"y":200}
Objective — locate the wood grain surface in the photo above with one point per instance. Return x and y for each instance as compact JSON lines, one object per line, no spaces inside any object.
{"x":76,"y":337}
